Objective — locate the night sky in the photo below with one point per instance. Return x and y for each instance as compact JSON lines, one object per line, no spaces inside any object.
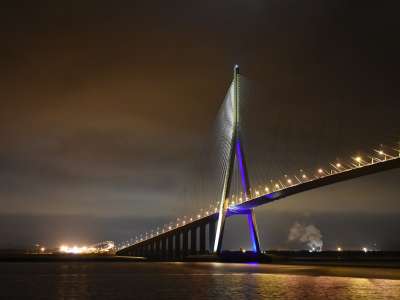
{"x":106,"y":108}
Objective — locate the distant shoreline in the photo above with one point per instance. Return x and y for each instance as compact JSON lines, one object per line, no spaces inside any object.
{"x":64,"y":258}
{"x":343,"y":259}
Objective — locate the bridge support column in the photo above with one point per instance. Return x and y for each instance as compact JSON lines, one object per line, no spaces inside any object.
{"x":185,"y":240}
{"x":163,"y":247}
{"x":193,"y":240}
{"x":151,"y":248}
{"x":178,"y":244}
{"x":203,"y":238}
{"x":157,"y":252}
{"x":170,"y":246}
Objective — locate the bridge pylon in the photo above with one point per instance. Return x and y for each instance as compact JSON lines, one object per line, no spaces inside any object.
{"x":235,"y":151}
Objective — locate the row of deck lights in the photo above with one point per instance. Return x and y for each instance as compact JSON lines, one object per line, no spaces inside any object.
{"x":171,"y":226}
{"x":338,"y":168}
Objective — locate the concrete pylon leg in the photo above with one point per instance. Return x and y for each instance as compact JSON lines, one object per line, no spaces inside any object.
{"x":211,"y":234}
{"x":219,"y":232}
{"x":193,"y":240}
{"x":178,"y":245}
{"x":170,"y":246}
{"x":203,"y":238}
{"x":164,"y":247}
{"x":151,"y":248}
{"x":158,"y":248}
{"x":185,"y":240}
{"x":255,"y":241}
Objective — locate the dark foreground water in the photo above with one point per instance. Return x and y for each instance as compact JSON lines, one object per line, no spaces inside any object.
{"x":133,"y":280}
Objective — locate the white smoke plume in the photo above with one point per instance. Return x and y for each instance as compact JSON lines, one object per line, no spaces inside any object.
{"x":306,"y":234}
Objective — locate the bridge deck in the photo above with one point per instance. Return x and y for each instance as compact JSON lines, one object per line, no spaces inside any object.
{"x":325,"y":180}
{"x":320,"y":182}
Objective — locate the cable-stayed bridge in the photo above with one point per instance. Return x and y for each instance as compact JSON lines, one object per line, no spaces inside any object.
{"x":203,"y":232}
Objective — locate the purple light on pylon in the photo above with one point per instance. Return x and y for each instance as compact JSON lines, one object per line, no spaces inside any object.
{"x":241,"y":165}
{"x":252,"y":232}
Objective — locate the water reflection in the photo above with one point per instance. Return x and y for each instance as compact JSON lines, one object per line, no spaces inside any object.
{"x":272,"y":286}
{"x":71,"y":281}
{"x":186,"y":281}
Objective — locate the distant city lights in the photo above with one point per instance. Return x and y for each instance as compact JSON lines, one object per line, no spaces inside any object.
{"x":102,"y":247}
{"x":75,"y":249}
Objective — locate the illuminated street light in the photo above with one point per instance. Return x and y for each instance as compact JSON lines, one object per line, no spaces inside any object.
{"x":338,"y":165}
{"x":257,"y":193}
{"x":358,"y":159}
{"x":276,"y":185}
{"x":339,"y":249}
{"x":380,"y":152}
{"x":289,"y":181}
{"x":266,"y":189}
{"x":304,"y":176}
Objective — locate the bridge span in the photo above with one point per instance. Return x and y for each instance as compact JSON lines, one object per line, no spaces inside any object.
{"x":192,"y":237}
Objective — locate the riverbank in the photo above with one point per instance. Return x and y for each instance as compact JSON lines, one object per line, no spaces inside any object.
{"x":66,"y":258}
{"x":342,"y":259}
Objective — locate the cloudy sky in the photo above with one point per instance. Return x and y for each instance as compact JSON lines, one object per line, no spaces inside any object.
{"x":106,"y":109}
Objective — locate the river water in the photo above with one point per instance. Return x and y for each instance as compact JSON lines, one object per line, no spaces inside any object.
{"x":133,"y":280}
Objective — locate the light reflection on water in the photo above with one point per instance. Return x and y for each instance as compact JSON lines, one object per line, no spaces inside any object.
{"x":181,"y":281}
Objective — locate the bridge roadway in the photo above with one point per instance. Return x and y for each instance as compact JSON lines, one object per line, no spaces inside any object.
{"x":175,"y":243}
